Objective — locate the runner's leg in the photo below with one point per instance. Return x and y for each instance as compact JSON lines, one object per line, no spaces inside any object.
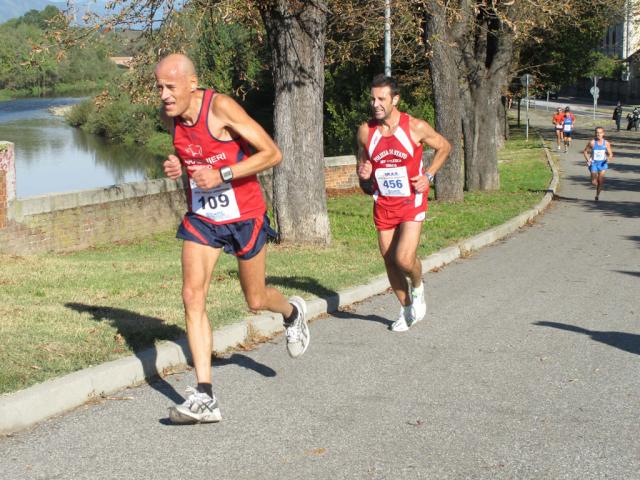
{"x":600,"y":185}
{"x":387,"y":242}
{"x":260,"y":297}
{"x":201,"y":405}
{"x":198,"y":262}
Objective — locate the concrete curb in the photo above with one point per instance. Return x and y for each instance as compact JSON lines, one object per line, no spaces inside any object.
{"x":27,"y":407}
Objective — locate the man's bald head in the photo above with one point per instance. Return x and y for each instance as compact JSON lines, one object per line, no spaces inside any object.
{"x":177,"y":84}
{"x":178,"y":64}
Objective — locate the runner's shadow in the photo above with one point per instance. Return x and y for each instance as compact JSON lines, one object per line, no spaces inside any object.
{"x":244,"y":362}
{"x":629,"y":342}
{"x":139,"y":332}
{"x":355,"y":316}
{"x":309,"y":285}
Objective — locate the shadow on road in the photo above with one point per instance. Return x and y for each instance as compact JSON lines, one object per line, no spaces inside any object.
{"x":622,"y":209}
{"x":245,"y":362}
{"x":347,"y":315}
{"x":629,"y":342}
{"x":141,"y":331}
{"x":626,"y":272}
{"x":332,"y":297}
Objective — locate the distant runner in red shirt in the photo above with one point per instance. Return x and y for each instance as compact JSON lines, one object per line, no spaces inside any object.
{"x":558,"y":123}
{"x":213,"y":139}
{"x":390,"y":153}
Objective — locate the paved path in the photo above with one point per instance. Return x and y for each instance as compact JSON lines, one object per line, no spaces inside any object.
{"x":528,"y":367}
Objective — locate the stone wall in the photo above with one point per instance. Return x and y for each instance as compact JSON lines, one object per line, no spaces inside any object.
{"x":73,"y":221}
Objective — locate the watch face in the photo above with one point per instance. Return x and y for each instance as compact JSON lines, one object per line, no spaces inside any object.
{"x":227,"y":174}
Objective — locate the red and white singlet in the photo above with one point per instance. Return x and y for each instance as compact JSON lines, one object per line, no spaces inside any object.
{"x":241,"y":199}
{"x":395,"y":159}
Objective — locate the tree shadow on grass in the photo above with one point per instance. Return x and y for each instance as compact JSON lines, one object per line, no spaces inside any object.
{"x":629,"y":342}
{"x":140,"y":332}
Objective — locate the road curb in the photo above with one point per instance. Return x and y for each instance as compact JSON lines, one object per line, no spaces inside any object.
{"x":28,"y":407}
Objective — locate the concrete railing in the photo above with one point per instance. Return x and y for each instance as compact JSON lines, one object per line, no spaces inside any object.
{"x":76,"y":220}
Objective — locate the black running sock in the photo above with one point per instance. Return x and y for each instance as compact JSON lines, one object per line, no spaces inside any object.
{"x":205,"y":388}
{"x":294,"y":314}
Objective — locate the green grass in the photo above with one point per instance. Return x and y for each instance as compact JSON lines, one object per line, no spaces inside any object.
{"x":60,"y":313}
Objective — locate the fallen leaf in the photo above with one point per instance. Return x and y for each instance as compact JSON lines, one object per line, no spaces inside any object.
{"x":318,"y":452}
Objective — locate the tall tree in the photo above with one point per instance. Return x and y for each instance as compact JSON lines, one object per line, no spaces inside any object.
{"x":444,"y":67}
{"x":296,"y":31}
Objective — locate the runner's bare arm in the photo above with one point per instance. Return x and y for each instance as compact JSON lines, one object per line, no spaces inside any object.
{"x":363,"y":165}
{"x":423,"y":133}
{"x":587,"y":151}
{"x":234,"y":118}
{"x":171,"y":166}
{"x":609,"y":151}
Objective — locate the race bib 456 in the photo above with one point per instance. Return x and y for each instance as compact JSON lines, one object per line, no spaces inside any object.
{"x":393,"y":182}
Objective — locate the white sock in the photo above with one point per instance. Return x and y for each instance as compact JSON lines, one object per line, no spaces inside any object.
{"x":418,"y":291}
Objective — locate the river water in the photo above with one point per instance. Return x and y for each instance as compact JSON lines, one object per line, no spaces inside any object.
{"x":52,"y":157}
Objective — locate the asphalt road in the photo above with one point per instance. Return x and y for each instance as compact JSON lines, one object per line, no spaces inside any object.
{"x":527,"y":367}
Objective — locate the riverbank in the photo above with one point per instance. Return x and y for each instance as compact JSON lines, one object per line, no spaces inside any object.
{"x":81,"y":89}
{"x":62,"y":313}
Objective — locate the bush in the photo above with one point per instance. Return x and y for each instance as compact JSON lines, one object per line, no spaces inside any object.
{"x":80,"y":113}
{"x":160,"y":144}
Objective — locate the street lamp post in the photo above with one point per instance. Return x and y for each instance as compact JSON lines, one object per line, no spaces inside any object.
{"x":595,"y":92}
{"x":526,"y":80}
{"x":387,"y":38}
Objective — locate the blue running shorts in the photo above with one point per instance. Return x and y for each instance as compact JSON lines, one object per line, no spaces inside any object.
{"x":598,"y":166}
{"x":243,"y":239}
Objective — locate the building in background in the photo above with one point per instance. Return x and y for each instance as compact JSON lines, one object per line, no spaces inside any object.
{"x":622,"y":41}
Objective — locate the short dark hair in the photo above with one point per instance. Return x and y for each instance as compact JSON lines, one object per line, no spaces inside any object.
{"x":381,"y":80}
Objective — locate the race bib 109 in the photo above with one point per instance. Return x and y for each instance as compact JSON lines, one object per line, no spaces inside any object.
{"x":218,"y":204}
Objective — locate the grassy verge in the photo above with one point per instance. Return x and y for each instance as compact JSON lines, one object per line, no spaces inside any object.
{"x":60,"y":313}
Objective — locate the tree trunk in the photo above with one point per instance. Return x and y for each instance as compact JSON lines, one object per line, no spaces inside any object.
{"x":442,"y":65}
{"x":481,"y":152}
{"x":296,"y":33}
{"x":485,"y":41}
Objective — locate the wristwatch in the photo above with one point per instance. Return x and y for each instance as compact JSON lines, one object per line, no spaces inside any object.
{"x":429,"y":176}
{"x":226,"y":174}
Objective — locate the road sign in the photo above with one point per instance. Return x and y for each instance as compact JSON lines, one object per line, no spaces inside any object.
{"x":526,"y":79}
{"x":595,"y":92}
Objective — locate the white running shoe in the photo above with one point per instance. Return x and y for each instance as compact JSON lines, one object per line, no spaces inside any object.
{"x":197,"y":408}
{"x":298,"y":335}
{"x":401,"y":324}
{"x":419,"y":306}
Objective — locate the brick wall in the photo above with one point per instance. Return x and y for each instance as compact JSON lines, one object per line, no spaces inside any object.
{"x":73,"y":221}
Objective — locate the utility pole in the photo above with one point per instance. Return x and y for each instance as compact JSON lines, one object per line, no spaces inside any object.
{"x":387,"y":38}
